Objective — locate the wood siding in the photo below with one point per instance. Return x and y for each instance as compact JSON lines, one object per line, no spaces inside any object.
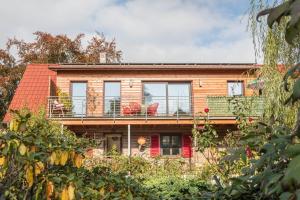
{"x":99,"y":132}
{"x":213,"y":83}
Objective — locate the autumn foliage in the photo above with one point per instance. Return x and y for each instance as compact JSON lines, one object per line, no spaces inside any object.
{"x":39,"y":160}
{"x":48,"y":48}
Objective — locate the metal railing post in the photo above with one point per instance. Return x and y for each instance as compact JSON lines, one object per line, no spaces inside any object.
{"x":177,"y":108}
{"x":146,"y":109}
{"x":114,"y":113}
{"x":192,"y":105}
{"x":81,"y":110}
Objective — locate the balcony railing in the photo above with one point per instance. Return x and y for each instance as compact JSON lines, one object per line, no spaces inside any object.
{"x":149,"y":107}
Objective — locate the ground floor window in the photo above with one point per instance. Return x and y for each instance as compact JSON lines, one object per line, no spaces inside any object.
{"x":113,"y":144}
{"x":170,"y":144}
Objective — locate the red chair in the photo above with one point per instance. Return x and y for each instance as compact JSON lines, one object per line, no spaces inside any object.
{"x":135,"y":107}
{"x":152,"y":109}
{"x":126,"y":110}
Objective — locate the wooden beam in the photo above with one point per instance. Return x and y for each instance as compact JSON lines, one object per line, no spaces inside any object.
{"x":87,"y":122}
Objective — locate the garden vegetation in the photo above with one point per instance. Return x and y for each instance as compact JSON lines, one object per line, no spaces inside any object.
{"x":39,"y":160}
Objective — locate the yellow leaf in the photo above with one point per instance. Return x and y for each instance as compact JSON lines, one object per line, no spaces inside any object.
{"x":64,"y":158}
{"x":38,"y":168}
{"x":71,"y":193}
{"x":52,"y":158}
{"x":57,"y":159}
{"x":72,"y":155}
{"x":2,"y":160}
{"x":65,"y":194}
{"x":22,"y":149}
{"x":49,"y":190}
{"x":11,"y":125}
{"x":78,"y":160}
{"x":29,"y":176}
{"x":102,"y":191}
{"x":16,"y":125}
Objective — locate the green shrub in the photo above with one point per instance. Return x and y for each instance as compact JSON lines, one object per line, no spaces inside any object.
{"x":177,"y":188}
{"x":38,"y":160}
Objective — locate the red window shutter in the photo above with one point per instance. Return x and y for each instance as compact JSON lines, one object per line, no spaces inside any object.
{"x":154,"y":148}
{"x":186,"y":146}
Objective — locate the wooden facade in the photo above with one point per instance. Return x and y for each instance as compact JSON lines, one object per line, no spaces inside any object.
{"x":204,"y":82}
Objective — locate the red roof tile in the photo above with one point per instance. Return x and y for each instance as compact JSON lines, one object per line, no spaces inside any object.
{"x":33,"y":88}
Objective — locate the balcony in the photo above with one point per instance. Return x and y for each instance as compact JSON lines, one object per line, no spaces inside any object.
{"x":150,"y":107}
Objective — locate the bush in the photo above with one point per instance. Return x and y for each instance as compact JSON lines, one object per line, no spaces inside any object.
{"x":173,"y":188}
{"x":38,"y":160}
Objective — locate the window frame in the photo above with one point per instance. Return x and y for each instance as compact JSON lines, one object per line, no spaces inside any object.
{"x":167,"y":92}
{"x":236,"y":81}
{"x":86,"y":93}
{"x":104,"y":93}
{"x":107,"y":135}
{"x":170,"y":144}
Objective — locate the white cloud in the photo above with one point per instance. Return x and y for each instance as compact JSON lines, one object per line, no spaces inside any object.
{"x":146,"y":31}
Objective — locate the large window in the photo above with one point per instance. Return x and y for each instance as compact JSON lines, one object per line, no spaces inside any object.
{"x":156,"y":93}
{"x":112,"y":98}
{"x":172,"y":98}
{"x":235,"y":88}
{"x":170,"y":144}
{"x":78,"y":98}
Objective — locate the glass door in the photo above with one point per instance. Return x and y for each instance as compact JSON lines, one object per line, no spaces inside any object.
{"x":179,"y":99}
{"x":79,"y":98}
{"x":156,"y":93}
{"x":112,"y":98}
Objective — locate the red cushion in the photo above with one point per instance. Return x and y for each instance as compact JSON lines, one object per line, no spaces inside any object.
{"x":152,"y":109}
{"x":126,"y":110}
{"x":135,"y":107}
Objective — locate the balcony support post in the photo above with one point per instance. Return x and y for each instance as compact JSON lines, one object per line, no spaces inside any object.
{"x":129,"y":141}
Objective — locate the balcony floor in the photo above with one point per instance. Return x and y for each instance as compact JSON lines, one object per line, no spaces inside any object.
{"x":141,"y":120}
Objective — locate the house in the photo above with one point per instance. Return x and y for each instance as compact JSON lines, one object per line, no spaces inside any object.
{"x":146,"y":109}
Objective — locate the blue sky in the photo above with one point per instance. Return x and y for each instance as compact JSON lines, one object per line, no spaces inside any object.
{"x":145,"y":30}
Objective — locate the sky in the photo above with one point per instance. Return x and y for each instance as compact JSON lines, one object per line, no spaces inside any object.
{"x":189,"y":31}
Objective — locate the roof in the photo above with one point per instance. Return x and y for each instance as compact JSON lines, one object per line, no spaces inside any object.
{"x":33,"y":88}
{"x":156,"y":66}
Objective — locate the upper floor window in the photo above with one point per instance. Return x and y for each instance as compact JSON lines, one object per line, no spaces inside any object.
{"x":78,"y":91}
{"x":172,"y":98}
{"x":235,"y":88}
{"x":112,"y":98}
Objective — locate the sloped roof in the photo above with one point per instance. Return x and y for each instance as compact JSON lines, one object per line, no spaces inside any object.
{"x":33,"y":88}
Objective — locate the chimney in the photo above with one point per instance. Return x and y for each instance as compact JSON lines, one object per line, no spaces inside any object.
{"x":102,"y":57}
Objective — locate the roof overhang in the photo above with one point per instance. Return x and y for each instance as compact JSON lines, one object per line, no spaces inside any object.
{"x":156,"y":66}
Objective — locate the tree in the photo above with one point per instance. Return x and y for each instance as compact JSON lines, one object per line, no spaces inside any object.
{"x":48,"y":48}
{"x":10,"y":76}
{"x":274,"y":172}
{"x":270,"y":44}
